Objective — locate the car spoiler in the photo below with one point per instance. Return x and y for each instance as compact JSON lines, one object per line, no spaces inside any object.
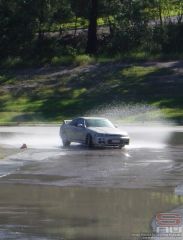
{"x":67,"y":121}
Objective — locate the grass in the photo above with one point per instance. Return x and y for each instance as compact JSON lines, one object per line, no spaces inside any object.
{"x":76,"y":60}
{"x":56,"y":93}
{"x":64,"y":60}
{"x":72,"y":24}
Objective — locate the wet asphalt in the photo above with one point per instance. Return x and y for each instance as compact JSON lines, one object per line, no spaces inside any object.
{"x":51,"y":192}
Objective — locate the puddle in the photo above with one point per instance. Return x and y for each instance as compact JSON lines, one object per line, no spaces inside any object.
{"x":80,"y":213}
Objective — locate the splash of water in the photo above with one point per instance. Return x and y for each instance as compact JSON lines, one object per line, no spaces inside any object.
{"x":34,"y":137}
{"x":131,"y":113}
{"x":146,"y":125}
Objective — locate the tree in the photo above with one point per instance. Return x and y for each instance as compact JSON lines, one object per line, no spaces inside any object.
{"x":130,"y":23}
{"x":92,"y":28}
{"x":80,"y":10}
{"x":178,"y":8}
{"x":16,"y":26}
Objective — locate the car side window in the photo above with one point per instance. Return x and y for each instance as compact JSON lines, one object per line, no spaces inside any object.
{"x":74,"y":122}
{"x":77,"y":121}
{"x":80,"y":121}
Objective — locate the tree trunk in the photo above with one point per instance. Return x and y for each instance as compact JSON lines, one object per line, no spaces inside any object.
{"x":75,"y":25}
{"x":92,"y":28}
{"x":160,"y":13}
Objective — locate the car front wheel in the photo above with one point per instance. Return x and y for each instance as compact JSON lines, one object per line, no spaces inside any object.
{"x":121,"y":146}
{"x":89,"y":142}
{"x":66,"y":143}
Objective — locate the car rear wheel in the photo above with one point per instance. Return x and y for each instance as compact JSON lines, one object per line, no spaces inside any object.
{"x":89,"y":142}
{"x":66,"y":143}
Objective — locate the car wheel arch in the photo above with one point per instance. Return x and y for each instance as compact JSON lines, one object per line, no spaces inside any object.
{"x":89,"y":140}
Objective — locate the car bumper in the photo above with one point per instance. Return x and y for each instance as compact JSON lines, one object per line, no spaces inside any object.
{"x":109,"y":142}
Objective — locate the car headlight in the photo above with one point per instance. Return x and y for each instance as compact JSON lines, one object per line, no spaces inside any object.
{"x":99,"y":135}
{"x":124,"y":136}
{"x":100,"y":138}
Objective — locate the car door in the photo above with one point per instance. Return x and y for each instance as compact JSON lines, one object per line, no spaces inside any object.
{"x":71,"y":130}
{"x":81,"y":130}
{"x":74,"y":130}
{"x":77,"y":130}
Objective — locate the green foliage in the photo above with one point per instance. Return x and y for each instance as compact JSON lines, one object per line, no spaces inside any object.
{"x":129,"y":25}
{"x":37,"y":29}
{"x":16,"y":26}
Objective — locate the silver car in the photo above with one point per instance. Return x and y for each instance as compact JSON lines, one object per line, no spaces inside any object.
{"x":92,"y":131}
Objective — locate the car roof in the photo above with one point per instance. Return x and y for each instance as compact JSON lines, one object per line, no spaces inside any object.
{"x":93,"y":117}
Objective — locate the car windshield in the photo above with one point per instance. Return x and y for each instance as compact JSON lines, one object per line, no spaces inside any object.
{"x":98,"y":123}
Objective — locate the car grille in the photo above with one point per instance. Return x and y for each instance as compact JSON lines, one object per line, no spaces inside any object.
{"x":113,"y":135}
{"x":113,"y":140}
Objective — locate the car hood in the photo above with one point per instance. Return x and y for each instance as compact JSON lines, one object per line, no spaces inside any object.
{"x":107,"y":130}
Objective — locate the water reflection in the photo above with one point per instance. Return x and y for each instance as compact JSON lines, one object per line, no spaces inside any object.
{"x":74,"y":213}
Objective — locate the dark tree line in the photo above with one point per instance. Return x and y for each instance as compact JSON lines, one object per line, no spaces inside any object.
{"x":152,"y":25}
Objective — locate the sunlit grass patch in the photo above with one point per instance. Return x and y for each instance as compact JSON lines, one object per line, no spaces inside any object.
{"x":6,"y":117}
{"x":78,"y":60}
{"x":171,"y":108}
{"x":138,"y":71}
{"x":17,"y":105}
{"x":173,"y":113}
{"x":146,"y":117}
{"x":83,"y":60}
{"x":74,"y":23}
{"x":22,"y":104}
{"x":81,"y":22}
{"x":77,"y":92}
